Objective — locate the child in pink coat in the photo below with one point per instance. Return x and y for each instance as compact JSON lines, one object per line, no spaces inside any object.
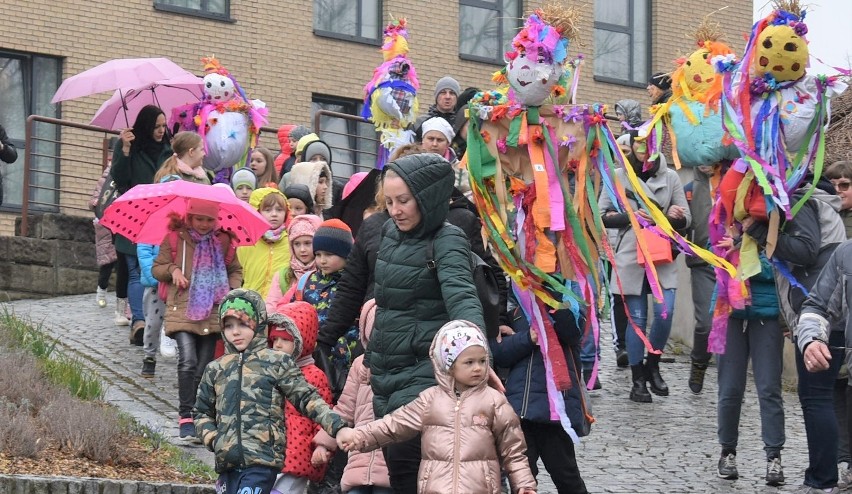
{"x":365,"y":473}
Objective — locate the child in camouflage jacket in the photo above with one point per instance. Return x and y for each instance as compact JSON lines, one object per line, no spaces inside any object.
{"x":239,"y":413}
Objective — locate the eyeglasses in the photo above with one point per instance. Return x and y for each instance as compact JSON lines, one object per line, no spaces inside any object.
{"x":841,"y":186}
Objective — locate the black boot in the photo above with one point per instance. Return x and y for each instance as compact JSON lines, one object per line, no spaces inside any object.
{"x":186,"y":393}
{"x":652,"y":372}
{"x":639,"y":393}
{"x":587,"y":375}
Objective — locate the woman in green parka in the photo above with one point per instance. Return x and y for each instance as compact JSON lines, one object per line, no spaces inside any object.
{"x":413,"y":299}
{"x":136,"y":157}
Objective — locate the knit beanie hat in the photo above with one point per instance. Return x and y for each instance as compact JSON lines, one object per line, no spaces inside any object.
{"x":447,"y":82}
{"x":299,"y":132}
{"x":202,"y":207}
{"x":441,"y":125}
{"x":304,"y":225}
{"x":661,"y":80}
{"x":240,"y":308}
{"x":333,"y":236}
{"x":317,"y":147}
{"x":301,"y":192}
{"x":455,"y":337}
{"x":244,"y":176}
{"x":260,"y":194}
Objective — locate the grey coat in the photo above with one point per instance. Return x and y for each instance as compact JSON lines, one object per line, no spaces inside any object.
{"x":665,"y":188}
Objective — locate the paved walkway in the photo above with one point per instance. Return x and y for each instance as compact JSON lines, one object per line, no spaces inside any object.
{"x":666,"y":446}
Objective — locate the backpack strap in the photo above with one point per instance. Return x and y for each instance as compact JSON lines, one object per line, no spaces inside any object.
{"x":430,"y":249}
{"x":303,"y":280}
{"x":173,"y":241}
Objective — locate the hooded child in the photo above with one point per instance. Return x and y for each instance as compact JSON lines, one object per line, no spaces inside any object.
{"x":240,"y":409}
{"x":298,"y":321}
{"x":468,"y":429}
{"x":355,"y":406}
{"x":272,"y":252}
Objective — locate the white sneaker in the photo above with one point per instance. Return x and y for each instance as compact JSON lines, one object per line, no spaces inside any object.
{"x":101,"y":297}
{"x":168,"y":346}
{"x":120,"y":309}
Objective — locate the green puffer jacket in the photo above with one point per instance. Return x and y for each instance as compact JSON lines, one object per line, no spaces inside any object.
{"x":413,"y":302}
{"x":239,"y":414}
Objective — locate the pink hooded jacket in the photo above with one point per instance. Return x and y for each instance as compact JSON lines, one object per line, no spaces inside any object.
{"x":355,"y":406}
{"x":464,"y":438}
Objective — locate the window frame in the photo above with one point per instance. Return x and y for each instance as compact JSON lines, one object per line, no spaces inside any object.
{"x":27,"y":60}
{"x":359,"y":9}
{"x":630,"y":32}
{"x":498,"y":8}
{"x":202,"y":12}
{"x":352,"y":107}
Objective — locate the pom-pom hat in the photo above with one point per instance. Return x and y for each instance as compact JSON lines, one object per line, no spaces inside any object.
{"x":333,"y":236}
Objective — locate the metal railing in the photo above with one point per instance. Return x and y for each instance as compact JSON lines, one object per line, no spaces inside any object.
{"x":70,"y":152}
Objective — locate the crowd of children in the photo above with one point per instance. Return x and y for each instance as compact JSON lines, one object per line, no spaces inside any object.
{"x":268,"y":300}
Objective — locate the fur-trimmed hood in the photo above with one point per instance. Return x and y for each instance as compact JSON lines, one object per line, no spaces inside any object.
{"x":308,"y":173}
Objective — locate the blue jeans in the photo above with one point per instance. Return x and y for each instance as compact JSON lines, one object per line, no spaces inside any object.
{"x":637,"y":308}
{"x":763,"y":342}
{"x":816,"y":394}
{"x":250,"y":480}
{"x":590,"y":351}
{"x":135,"y":290}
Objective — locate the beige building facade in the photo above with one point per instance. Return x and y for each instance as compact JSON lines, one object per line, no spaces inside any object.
{"x":300,"y":55}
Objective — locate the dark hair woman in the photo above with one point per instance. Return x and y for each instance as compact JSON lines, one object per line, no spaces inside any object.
{"x":136,"y":157}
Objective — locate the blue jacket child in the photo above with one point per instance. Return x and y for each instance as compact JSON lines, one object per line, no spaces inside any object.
{"x":526,"y":390}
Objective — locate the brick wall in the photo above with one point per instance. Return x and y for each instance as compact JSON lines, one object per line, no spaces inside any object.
{"x":271,"y":49}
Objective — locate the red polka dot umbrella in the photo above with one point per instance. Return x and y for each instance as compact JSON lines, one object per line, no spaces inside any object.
{"x":142,"y":214}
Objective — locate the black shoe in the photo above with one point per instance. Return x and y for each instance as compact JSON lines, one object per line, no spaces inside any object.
{"x":696,"y":376}
{"x":149,"y":366}
{"x":621,"y":358}
{"x":587,"y":375}
{"x":639,"y":393}
{"x":652,"y":373}
{"x":728,"y":467}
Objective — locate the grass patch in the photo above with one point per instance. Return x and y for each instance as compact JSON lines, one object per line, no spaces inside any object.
{"x":54,"y":401}
{"x":59,"y":368}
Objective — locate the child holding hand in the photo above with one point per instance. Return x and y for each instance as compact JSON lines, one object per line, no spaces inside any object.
{"x":293,"y":329}
{"x":467,"y":428}
{"x":240,"y":412}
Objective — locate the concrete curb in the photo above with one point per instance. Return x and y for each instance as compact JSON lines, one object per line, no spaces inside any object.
{"x":28,"y":484}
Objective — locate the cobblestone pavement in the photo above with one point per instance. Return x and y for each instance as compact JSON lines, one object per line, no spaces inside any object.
{"x":666,"y":446}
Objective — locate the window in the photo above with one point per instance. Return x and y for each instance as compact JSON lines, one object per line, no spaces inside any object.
{"x":486,"y":28}
{"x":216,"y":9}
{"x":351,"y":20}
{"x":27,"y":83}
{"x":622,"y":41}
{"x":352,"y":141}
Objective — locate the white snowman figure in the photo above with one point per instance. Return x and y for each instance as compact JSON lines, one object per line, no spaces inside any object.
{"x":223,"y":120}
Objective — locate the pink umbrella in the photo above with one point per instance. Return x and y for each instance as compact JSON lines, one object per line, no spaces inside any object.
{"x":117,"y":74}
{"x":142,"y":213}
{"x":122,"y":108}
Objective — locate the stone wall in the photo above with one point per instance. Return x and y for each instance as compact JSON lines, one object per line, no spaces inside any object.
{"x":25,"y":484}
{"x":56,"y":258}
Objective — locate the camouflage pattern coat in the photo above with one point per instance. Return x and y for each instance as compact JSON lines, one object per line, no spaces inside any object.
{"x":239,"y":411}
